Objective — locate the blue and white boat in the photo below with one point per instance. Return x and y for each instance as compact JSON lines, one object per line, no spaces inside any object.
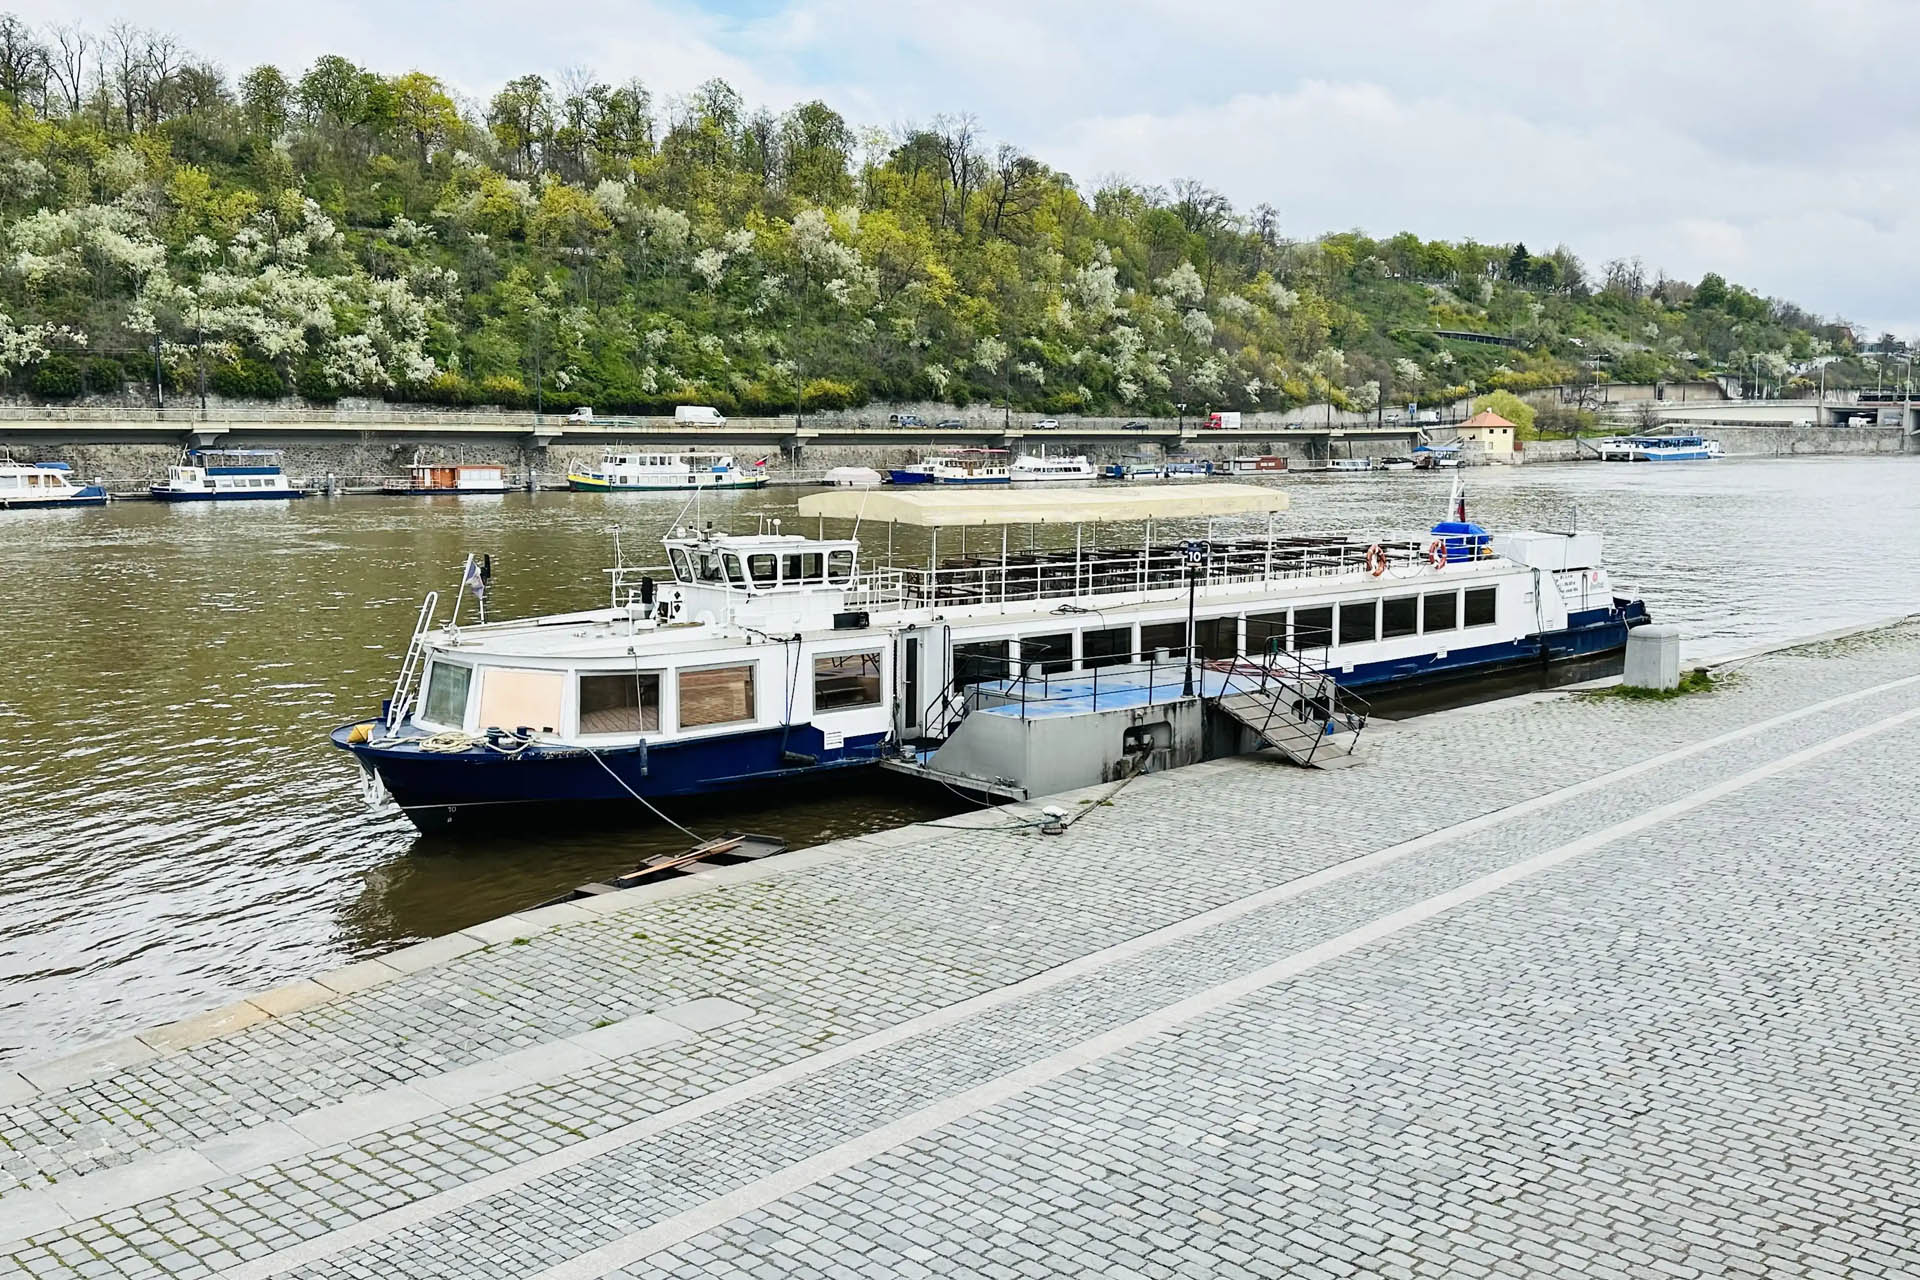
{"x":44,"y":484}
{"x":754,"y":659}
{"x":1660,"y":449}
{"x":956,"y":466}
{"x":226,"y":475}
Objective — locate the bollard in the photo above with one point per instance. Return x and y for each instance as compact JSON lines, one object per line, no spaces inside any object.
{"x":1653,"y":658}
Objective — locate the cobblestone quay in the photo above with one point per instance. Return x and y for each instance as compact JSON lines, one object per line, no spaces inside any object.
{"x":1563,"y":985}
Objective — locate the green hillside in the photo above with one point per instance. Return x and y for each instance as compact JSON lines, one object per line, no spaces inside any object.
{"x":335,"y":231}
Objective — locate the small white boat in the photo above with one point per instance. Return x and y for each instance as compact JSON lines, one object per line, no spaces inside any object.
{"x":44,"y":484}
{"x":853,"y":478}
{"x":640,"y":472}
{"x":1396,"y":464}
{"x":424,"y":478}
{"x":1028,"y":469}
{"x":241,"y":475}
{"x":1350,"y":464}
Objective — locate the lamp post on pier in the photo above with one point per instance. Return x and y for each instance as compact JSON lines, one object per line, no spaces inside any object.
{"x":1196,"y":553}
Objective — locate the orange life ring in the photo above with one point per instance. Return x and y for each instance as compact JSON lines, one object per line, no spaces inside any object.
{"x":1376,"y":559}
{"x":1437,"y":553}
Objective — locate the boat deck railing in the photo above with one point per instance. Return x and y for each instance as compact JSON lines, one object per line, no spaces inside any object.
{"x":1070,"y":573}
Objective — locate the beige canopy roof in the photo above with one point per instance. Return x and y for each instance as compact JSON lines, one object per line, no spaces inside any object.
{"x":938,"y":508}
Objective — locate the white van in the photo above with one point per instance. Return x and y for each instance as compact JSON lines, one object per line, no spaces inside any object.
{"x":698,"y":415}
{"x":583,"y":414}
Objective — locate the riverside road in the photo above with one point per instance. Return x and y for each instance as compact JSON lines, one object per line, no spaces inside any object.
{"x":1564,"y":985}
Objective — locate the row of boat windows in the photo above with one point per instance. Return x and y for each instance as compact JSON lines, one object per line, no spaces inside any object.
{"x":1299,"y":630}
{"x":764,"y":569}
{"x":629,"y":701}
{"x":34,"y":480}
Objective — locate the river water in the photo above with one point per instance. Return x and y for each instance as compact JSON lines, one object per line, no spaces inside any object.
{"x":175,"y":832}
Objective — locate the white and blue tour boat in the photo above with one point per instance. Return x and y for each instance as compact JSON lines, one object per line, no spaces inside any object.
{"x":1659,"y":449}
{"x":751,"y":659}
{"x":956,"y":466}
{"x":653,"y":471}
{"x":1029,"y":469}
{"x":44,"y":484}
{"x":226,"y":475}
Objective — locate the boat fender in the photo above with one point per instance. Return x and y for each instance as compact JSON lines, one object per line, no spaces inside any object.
{"x":1437,"y":553}
{"x":647,"y":590}
{"x":360,"y":733}
{"x":1376,"y":559}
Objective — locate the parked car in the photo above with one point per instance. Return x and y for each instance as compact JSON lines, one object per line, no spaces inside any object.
{"x":1047,"y":424}
{"x":1135,"y":425}
{"x":904,"y":420}
{"x":949,"y":423}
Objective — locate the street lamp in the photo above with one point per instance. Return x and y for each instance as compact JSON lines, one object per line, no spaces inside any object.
{"x":1196,"y":553}
{"x":1180,"y":420}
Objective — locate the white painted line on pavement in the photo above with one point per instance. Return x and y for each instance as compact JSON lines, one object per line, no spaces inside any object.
{"x":384,"y":1224}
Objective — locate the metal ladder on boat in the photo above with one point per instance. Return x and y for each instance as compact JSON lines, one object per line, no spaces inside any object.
{"x":1293,"y":708}
{"x":401,"y":701}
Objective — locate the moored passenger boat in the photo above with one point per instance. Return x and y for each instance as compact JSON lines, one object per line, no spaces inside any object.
{"x":752,"y":659}
{"x":1686,"y":448}
{"x":1029,"y":469}
{"x":956,"y":466}
{"x":238,"y":475}
{"x":44,"y":484}
{"x":642,"y":471}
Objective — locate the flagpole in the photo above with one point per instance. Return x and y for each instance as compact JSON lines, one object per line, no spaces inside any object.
{"x":459,"y":595}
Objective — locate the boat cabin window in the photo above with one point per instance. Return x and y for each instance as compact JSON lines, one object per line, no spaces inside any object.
{"x":446,"y":697}
{"x":1399,"y":616}
{"x":980,"y":661}
{"x":710,"y":567}
{"x":764,"y":569}
{"x":803,"y":568}
{"x":1266,"y":633}
{"x":840,"y":566}
{"x":1155,"y":636}
{"x":10,"y":482}
{"x":843,"y":681}
{"x":682,"y":566}
{"x":1217,"y":637}
{"x":1359,"y":621}
{"x":1051,"y":653}
{"x":1440,"y":611}
{"x":519,"y":697}
{"x":735,"y":574}
{"x":716,"y":695}
{"x":1313,"y":628}
{"x":1106,"y":648}
{"x":620,"y":702}
{"x":1480,"y":606}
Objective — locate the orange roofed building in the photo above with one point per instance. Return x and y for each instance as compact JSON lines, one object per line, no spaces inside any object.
{"x":1492,"y":433}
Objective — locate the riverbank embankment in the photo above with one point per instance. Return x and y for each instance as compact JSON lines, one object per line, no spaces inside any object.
{"x":1525,"y":976}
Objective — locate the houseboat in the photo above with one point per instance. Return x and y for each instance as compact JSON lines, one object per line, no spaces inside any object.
{"x":44,"y":484}
{"x":226,"y":475}
{"x":1265,"y":464}
{"x":426,"y":478}
{"x":1171,"y":469}
{"x":679,"y":472}
{"x":956,"y":466}
{"x":755,"y":658}
{"x":1350,"y":464}
{"x":1028,"y":469}
{"x":1660,"y":449}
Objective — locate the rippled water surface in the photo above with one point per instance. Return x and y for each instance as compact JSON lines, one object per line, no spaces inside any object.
{"x":174,"y":831}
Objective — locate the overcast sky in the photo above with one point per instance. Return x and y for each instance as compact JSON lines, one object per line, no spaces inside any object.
{"x":1763,"y":139}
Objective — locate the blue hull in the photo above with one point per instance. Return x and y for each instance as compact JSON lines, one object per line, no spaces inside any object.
{"x":249,"y":495}
{"x":1590,"y":634}
{"x":438,"y":790}
{"x":920,"y":477}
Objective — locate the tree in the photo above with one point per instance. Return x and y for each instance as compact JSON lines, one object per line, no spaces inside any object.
{"x":521,"y":120}
{"x":24,"y":64}
{"x":67,"y":63}
{"x":1509,"y":406}
{"x":1519,"y":263}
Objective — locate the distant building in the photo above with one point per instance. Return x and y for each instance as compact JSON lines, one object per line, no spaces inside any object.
{"x":1492,"y":433}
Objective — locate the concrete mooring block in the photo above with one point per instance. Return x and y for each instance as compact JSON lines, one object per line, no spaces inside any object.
{"x":1653,"y":658}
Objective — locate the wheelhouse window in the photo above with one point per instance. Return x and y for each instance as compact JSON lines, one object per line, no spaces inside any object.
{"x":446,"y":698}
{"x":1480,"y":608}
{"x":1313,"y":628}
{"x":1440,"y":611}
{"x":1399,"y":616}
{"x":763,"y":569}
{"x":845,"y":681}
{"x":1359,"y":621}
{"x":620,"y":702}
{"x":716,"y":695}
{"x":682,"y":567}
{"x":735,"y":574}
{"x":801,"y":568}
{"x":840,"y":566}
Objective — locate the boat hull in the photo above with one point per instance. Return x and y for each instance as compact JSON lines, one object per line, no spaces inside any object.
{"x":489,"y":491}
{"x":1593,"y":633}
{"x":91,"y":496}
{"x":593,"y":484}
{"x":442,"y":790}
{"x":243,"y":495}
{"x":921,"y":477}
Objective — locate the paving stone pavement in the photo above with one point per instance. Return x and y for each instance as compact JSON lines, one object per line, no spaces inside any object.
{"x":1660,"y":1033}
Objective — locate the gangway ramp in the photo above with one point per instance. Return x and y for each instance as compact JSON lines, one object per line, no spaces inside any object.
{"x":1295,"y":710}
